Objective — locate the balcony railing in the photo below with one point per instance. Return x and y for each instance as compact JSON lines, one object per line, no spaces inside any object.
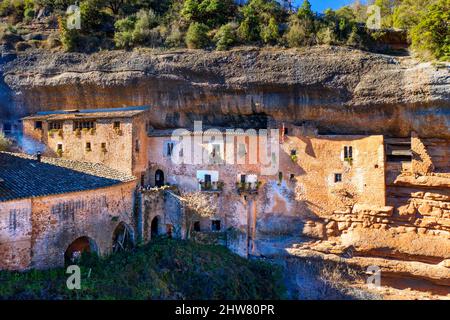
{"x":211,"y":186}
{"x":248,"y":187}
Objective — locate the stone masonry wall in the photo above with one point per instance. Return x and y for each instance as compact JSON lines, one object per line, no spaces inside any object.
{"x":35,"y":233}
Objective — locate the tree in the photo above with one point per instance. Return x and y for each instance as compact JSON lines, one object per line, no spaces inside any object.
{"x":197,"y":36}
{"x":260,"y":20}
{"x":225,"y":37}
{"x":197,"y":205}
{"x":138,"y":29}
{"x":270,"y":32}
{"x":431,"y":37}
{"x":408,"y":13}
{"x":210,"y":12}
{"x":5,"y":143}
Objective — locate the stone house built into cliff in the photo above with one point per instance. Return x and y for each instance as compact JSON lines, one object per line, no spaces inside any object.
{"x":114,"y":137}
{"x":316,"y":175}
{"x":53,"y":209}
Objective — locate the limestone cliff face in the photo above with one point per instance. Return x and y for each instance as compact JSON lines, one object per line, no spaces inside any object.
{"x":338,"y":89}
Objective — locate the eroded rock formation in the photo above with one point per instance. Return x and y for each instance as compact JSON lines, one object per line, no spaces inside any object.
{"x":339,"y":89}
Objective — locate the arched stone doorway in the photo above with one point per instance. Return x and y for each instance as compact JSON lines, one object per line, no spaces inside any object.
{"x":159,"y":178}
{"x":123,"y":238}
{"x":78,"y":247}
{"x":154,"y":227}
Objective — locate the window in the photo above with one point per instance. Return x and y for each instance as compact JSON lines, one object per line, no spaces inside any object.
{"x":54,"y":125}
{"x":116,"y":125}
{"x":83,"y":125}
{"x":136,"y":147}
{"x":215,"y":225}
{"x":38,"y":125}
{"x":243,"y":178}
{"x":103,"y":146}
{"x":242,"y":150}
{"x":215,"y":150}
{"x":280,"y":176}
{"x":169,"y":149}
{"x":337,"y":177}
{"x":348,"y":152}
{"x":197,"y":226}
{"x":142,"y":179}
{"x":286,"y":131}
{"x":293,"y":152}
{"x":292,"y":177}
{"x":88,"y":146}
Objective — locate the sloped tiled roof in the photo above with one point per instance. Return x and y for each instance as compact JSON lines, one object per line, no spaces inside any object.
{"x":126,"y":112}
{"x":22,"y":176}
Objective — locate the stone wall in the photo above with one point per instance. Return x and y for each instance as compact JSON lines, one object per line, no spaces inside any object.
{"x":15,"y":234}
{"x":162,"y":205}
{"x":35,"y":233}
{"x":118,"y":153}
{"x":306,"y":191}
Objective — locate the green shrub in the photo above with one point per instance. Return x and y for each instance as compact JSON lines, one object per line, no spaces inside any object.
{"x":430,"y":38}
{"x":225,"y":37}
{"x":5,"y":143}
{"x":175,"y":39}
{"x":210,"y":12}
{"x":270,"y":32}
{"x":197,"y":36}
{"x":163,"y":269}
{"x":140,"y":29}
{"x":297,"y":34}
{"x":260,"y":20}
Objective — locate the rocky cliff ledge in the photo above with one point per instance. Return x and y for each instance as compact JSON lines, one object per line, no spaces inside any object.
{"x":338,"y":89}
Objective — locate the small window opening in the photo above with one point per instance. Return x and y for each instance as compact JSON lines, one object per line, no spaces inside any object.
{"x":88,"y":146}
{"x":337,"y":177}
{"x":54,"y":125}
{"x":215,"y":225}
{"x":197,"y":226}
{"x":38,"y":125}
{"x":286,"y":130}
{"x":348,"y":152}
{"x":280,"y":177}
{"x":116,"y":125}
{"x":59,"y":147}
{"x":292,"y":177}
{"x":137,"y":147}
{"x":169,"y":149}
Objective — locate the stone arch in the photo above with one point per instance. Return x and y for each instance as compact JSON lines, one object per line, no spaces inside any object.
{"x":79,"y":246}
{"x":123,"y":238}
{"x":159,"y":178}
{"x":154,"y":227}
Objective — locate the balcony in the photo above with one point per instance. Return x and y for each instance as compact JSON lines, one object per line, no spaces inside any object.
{"x":214,"y":186}
{"x":248,"y":187}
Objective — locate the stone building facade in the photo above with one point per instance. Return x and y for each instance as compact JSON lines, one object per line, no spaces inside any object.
{"x":53,"y":208}
{"x":378,"y":195}
{"x":114,"y":137}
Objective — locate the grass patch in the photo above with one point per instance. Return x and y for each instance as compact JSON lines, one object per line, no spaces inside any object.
{"x":163,"y":269}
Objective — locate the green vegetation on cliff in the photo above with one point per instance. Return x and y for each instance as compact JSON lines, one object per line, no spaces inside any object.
{"x":220,"y":24}
{"x":163,"y":269}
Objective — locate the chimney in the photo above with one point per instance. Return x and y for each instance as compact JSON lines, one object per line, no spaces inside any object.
{"x":38,"y":156}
